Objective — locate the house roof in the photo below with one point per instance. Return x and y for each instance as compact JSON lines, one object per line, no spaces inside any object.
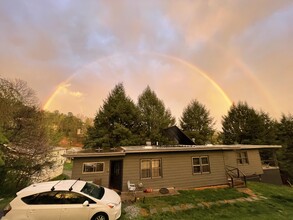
{"x":184,"y":148}
{"x":177,"y":148}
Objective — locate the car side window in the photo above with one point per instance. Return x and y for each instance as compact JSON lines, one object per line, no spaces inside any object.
{"x":41,"y":198}
{"x":69,"y":197}
{"x":56,"y":197}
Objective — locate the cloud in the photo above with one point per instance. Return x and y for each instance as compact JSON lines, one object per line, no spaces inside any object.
{"x":240,"y":44}
{"x":64,"y":89}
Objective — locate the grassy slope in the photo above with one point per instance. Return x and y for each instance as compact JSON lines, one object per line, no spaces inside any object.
{"x":279,"y":204}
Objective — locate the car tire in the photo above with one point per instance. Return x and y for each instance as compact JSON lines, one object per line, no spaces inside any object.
{"x":100,"y":216}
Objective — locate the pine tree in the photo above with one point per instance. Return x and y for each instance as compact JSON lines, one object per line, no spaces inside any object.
{"x":116,"y":123}
{"x":285,"y":156}
{"x":154,"y":117}
{"x":244,"y":125}
{"x":197,"y":123}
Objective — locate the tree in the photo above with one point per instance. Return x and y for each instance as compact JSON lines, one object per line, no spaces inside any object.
{"x":116,"y":123}
{"x":244,"y":125}
{"x":154,"y":116}
{"x":53,"y":125}
{"x":25,"y":150}
{"x":197,"y":123}
{"x":285,"y":134}
{"x":70,"y":126}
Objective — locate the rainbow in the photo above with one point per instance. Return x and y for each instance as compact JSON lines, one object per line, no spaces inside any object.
{"x":248,"y":73}
{"x":192,"y":67}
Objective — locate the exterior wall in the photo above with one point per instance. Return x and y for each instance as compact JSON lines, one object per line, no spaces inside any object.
{"x":176,"y":170}
{"x":101,"y":178}
{"x":57,"y":165}
{"x":254,"y":166}
{"x":272,"y":175}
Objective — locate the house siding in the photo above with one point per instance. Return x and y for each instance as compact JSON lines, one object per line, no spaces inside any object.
{"x":254,"y":166}
{"x":101,"y":178}
{"x":176,"y":170}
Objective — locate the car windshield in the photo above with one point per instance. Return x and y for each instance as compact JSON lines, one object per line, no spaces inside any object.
{"x":93,"y":190}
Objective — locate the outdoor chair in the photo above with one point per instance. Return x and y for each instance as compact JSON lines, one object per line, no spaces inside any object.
{"x":131,"y":187}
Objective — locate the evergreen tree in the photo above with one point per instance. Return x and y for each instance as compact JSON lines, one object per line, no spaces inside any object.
{"x":197,"y":123}
{"x":116,"y":123}
{"x":285,"y":156}
{"x":154,"y":116}
{"x":244,"y":125}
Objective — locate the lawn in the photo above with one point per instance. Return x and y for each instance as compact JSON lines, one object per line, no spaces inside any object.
{"x":68,"y":166}
{"x":278,"y":205}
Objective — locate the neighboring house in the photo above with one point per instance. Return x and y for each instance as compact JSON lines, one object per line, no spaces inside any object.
{"x":158,"y":167}
{"x":56,"y":168}
{"x":72,"y":150}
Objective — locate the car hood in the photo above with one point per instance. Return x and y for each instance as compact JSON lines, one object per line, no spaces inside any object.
{"x":110,"y":196}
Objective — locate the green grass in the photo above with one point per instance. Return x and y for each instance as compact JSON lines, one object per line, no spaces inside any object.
{"x":68,"y":166}
{"x":4,"y":202}
{"x":192,"y":196}
{"x":279,"y":204}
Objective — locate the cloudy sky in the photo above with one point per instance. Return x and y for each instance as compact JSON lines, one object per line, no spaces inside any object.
{"x":72,"y":53}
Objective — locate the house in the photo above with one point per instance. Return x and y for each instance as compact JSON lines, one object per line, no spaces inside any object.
{"x":183,"y":166}
{"x":56,"y":169}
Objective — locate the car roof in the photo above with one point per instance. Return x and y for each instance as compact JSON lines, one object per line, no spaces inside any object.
{"x":59,"y":185}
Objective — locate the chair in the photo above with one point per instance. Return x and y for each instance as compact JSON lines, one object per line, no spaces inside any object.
{"x":131,"y":187}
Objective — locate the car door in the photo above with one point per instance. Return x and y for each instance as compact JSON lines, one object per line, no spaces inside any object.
{"x":44,"y":212}
{"x":73,"y":206}
{"x":43,"y":206}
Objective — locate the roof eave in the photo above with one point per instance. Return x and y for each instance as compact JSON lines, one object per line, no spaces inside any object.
{"x":107,"y":154}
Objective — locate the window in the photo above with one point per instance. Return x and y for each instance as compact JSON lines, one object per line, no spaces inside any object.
{"x":151,"y":168}
{"x":56,"y":198}
{"x":242,"y":157}
{"x":95,"y":167}
{"x":200,"y":165}
{"x":93,"y":190}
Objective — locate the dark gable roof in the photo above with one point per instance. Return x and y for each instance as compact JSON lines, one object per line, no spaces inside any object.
{"x":175,"y":133}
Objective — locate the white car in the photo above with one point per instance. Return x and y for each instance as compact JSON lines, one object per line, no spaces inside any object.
{"x":64,"y":200}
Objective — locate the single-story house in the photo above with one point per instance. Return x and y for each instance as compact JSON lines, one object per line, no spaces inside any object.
{"x":57,"y":159}
{"x":156,"y":167}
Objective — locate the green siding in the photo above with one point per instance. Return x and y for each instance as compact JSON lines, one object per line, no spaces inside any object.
{"x":254,"y":167}
{"x":176,"y":168}
{"x":102,"y":177}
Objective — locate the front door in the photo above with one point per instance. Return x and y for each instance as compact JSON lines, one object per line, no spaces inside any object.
{"x":116,"y":167}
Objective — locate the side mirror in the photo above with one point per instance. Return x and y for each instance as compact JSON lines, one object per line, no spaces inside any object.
{"x":86,"y":203}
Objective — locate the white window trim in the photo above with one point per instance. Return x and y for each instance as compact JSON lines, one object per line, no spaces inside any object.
{"x":201,"y":165}
{"x":92,"y":163}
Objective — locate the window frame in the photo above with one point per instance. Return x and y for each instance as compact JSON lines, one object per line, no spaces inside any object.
{"x":201,"y":165}
{"x":151,"y":168}
{"x":242,"y":158}
{"x":87,"y":172}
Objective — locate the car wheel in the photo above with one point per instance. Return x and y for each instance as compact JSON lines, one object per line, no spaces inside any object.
{"x":100,"y":216}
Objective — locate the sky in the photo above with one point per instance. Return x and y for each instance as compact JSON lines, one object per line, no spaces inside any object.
{"x":73,"y":53}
